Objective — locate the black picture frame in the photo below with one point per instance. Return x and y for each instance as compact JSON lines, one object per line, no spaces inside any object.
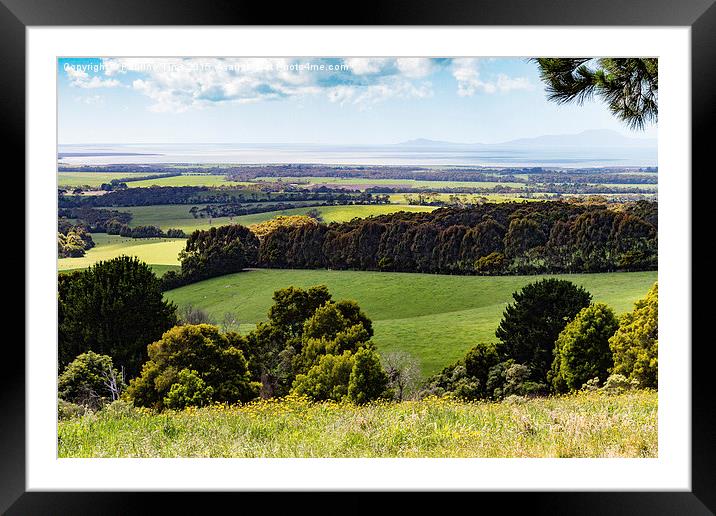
{"x":699,"y":15}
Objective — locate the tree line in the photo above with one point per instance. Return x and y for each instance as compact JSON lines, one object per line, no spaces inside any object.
{"x":112,"y":222}
{"x":502,"y":238}
{"x":161,"y":195}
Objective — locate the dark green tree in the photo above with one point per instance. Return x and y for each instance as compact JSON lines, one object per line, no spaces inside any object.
{"x":530,"y":326}
{"x":303,"y":325}
{"x":630,"y":87}
{"x":292,"y":306}
{"x":218,"y":251}
{"x":114,"y":308}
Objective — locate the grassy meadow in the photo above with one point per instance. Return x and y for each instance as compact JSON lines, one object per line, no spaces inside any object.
{"x":178,"y":216}
{"x":436,"y":318}
{"x":93,"y":179}
{"x":364,"y":183}
{"x":187,"y":180}
{"x":580,"y":425}
{"x":154,"y":251}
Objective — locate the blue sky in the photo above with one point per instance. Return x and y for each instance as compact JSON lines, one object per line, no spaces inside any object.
{"x":312,"y":100}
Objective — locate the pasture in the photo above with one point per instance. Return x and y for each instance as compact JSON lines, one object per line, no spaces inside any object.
{"x":94,"y":179}
{"x":154,"y":251}
{"x":436,"y":318}
{"x":581,"y":425}
{"x":406,"y":183}
{"x":187,"y":180}
{"x":178,"y":216}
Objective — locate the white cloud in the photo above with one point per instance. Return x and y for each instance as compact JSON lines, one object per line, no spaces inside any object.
{"x":367,"y":96}
{"x":466,"y":73}
{"x":90,"y":100}
{"x":415,"y":67}
{"x":176,"y":85}
{"x":81,"y":79}
{"x":505,"y":83}
{"x":180,"y":84}
{"x":367,"y":65}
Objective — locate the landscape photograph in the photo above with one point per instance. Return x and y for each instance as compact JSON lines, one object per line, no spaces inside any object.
{"x":357,"y":257}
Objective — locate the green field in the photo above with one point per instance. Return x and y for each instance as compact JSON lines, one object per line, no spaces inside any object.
{"x":490,"y":197}
{"x":178,"y":216}
{"x":154,"y":251}
{"x":95,"y":179}
{"x":580,"y":425}
{"x":159,"y":270}
{"x":188,"y":180}
{"x":436,"y":318}
{"x":91,"y":178}
{"x":424,"y":185}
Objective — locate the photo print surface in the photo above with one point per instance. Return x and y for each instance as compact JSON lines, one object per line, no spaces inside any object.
{"x":357,"y":257}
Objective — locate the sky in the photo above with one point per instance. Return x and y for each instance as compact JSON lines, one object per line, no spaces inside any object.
{"x":360,"y":101}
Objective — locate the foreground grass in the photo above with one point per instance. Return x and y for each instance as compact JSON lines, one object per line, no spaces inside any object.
{"x":436,"y":318}
{"x":582,"y":425}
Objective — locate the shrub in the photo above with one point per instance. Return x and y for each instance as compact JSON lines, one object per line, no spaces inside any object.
{"x":468,"y":378}
{"x":175,"y":233}
{"x":582,"y":348}
{"x":188,"y":390}
{"x":189,"y":314}
{"x":368,"y":380}
{"x":215,"y":358}
{"x":464,"y":386}
{"x":616,"y":384}
{"x":403,"y":372}
{"x":509,"y":377}
{"x":635,"y":345}
{"x":269,"y":226}
{"x":493,"y":263}
{"x":591,"y":385}
{"x":120,"y":408}
{"x":67,"y":410}
{"x":327,"y":380}
{"x":90,"y":380}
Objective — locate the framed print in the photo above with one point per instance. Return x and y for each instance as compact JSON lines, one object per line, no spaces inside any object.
{"x":422,"y":252}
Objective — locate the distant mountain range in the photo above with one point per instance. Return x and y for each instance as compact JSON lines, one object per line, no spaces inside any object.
{"x":591,"y":138}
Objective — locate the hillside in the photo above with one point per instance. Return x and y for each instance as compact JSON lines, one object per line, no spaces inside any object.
{"x":435,"y":317}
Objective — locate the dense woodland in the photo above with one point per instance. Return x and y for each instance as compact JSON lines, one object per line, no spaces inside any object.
{"x":501,"y":238}
{"x":72,"y":240}
{"x":164,"y":195}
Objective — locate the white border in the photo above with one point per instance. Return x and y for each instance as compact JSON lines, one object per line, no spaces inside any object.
{"x":670,"y":471}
